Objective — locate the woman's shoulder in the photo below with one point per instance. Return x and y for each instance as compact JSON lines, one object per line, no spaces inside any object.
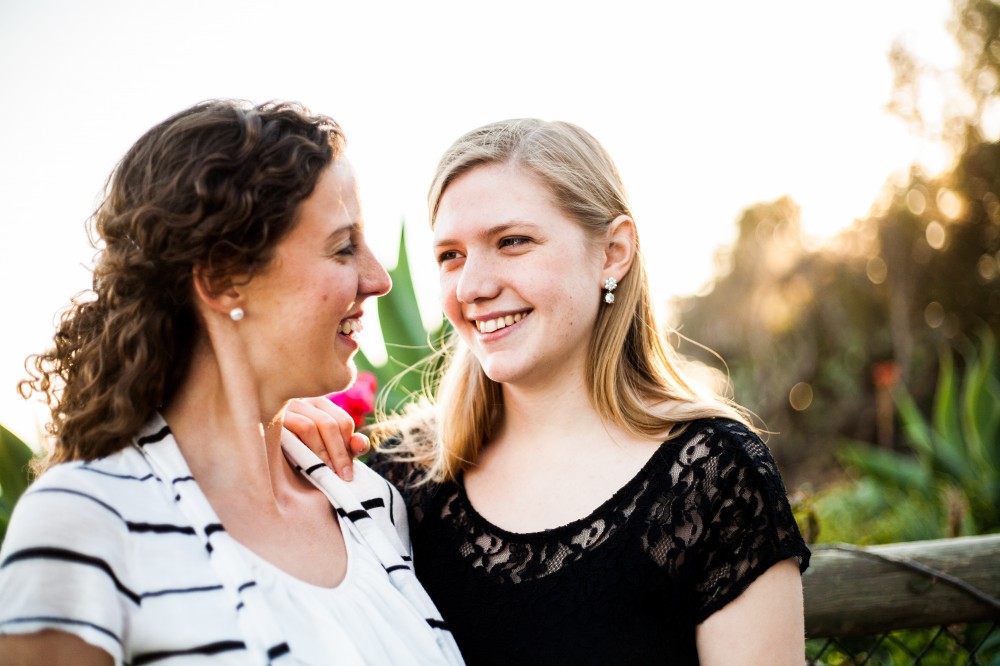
{"x":393,"y":461}
{"x":720,"y":455}
{"x":405,"y":447}
{"x":102,"y":497}
{"x":714,"y":438}
{"x":92,"y":531}
{"x":86,"y":507}
{"x":124,"y":472}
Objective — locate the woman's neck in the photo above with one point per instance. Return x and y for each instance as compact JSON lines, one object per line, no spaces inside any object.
{"x":551,"y":418}
{"x":228,"y":441}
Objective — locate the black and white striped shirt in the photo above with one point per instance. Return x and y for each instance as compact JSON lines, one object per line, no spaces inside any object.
{"x":126,"y":553}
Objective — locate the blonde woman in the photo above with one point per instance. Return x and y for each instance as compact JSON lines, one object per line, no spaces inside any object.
{"x":578,"y":502}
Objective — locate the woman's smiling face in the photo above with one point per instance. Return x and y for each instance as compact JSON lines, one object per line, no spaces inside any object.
{"x":302,"y":311}
{"x":520,"y":280}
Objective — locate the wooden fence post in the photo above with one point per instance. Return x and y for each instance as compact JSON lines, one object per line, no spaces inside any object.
{"x":855,"y":591}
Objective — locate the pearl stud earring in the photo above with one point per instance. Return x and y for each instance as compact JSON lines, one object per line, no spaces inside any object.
{"x":236,"y":314}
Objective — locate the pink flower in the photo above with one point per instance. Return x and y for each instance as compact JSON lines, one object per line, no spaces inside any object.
{"x":359,"y":399}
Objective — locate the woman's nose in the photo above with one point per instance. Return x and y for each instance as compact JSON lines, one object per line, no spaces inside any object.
{"x":478,"y":280}
{"x":374,"y":280}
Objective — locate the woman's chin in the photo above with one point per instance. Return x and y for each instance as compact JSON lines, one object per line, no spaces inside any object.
{"x":344,"y":379}
{"x":336,"y":381}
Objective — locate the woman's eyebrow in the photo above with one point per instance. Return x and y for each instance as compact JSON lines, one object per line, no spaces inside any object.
{"x":491,"y":232}
{"x":346,"y":230}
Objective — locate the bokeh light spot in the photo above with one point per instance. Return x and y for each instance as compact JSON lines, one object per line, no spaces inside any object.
{"x":987,"y":267}
{"x":935,"y":235}
{"x":877,"y":270}
{"x":800,"y":397}
{"x":934,"y":314}
{"x":916,"y":202}
{"x":950,"y":204}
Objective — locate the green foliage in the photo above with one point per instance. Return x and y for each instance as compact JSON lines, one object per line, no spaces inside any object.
{"x":15,"y":474}
{"x":411,"y":349}
{"x":947,"y":482}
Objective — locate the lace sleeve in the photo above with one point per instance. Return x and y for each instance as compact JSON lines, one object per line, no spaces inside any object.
{"x":750,"y":526}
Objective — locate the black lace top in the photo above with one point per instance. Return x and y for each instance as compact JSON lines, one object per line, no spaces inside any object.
{"x":627,"y":584}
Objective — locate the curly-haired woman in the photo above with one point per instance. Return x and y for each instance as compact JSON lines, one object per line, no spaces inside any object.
{"x":172,"y":522}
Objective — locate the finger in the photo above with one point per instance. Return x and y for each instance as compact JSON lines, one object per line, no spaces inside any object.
{"x":336,"y":427}
{"x":334,"y":415}
{"x":328,"y":429}
{"x":360,"y":444}
{"x":306,"y":430}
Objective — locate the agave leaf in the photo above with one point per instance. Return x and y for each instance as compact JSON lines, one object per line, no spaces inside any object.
{"x":402,"y":326}
{"x":402,"y":311}
{"x":900,"y":471}
{"x":945,"y":455}
{"x":918,"y":432}
{"x":946,"y":417}
{"x":15,"y":474}
{"x":957,"y":462}
{"x":976,"y":372}
{"x":408,"y":344}
{"x":979,"y":402}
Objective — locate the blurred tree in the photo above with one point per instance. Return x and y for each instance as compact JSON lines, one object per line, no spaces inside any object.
{"x":816,"y":340}
{"x":810,"y":335}
{"x":976,"y":26}
{"x":799,"y":330}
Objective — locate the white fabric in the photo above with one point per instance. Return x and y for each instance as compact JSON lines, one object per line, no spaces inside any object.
{"x":345,"y":624}
{"x":126,"y":553}
{"x":385,"y":543}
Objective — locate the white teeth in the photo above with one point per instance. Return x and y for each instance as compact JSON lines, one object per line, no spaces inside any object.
{"x":490,"y":325}
{"x":349,"y":326}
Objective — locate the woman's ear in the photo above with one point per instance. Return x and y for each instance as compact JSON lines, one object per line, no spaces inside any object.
{"x":619,"y":247}
{"x":215,"y":293}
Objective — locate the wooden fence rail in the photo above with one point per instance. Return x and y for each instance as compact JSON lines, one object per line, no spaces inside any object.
{"x":855,"y":591}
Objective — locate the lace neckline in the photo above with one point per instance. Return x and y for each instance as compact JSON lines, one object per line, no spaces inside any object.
{"x":627,"y":493}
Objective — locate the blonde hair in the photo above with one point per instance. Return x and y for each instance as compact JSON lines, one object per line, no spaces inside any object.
{"x":631,"y":371}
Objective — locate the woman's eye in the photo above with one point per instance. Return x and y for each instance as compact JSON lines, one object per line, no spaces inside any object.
{"x":448,"y":255}
{"x":347,"y":250}
{"x":514,"y":241}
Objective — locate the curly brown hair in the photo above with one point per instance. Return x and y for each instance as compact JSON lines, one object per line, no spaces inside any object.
{"x":215,"y":186}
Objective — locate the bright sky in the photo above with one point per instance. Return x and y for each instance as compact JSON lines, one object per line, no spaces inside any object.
{"x":707,"y":108}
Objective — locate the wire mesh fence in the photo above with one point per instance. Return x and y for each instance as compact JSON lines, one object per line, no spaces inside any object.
{"x":976,"y":644}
